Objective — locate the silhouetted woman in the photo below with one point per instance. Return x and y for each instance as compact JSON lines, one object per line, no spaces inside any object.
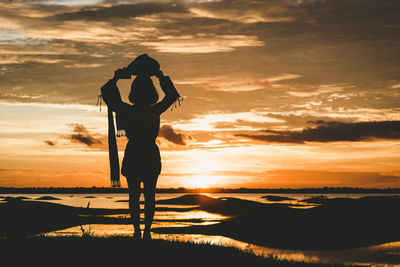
{"x":141,"y":121}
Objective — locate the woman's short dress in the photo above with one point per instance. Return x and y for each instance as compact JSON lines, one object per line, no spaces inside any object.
{"x":142,"y":156}
{"x":141,"y":160}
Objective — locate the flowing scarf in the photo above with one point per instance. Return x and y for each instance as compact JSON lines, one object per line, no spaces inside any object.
{"x":112,"y":144}
{"x":113,"y":151}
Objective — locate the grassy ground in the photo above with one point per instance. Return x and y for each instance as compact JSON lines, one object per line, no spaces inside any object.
{"x":113,"y":251}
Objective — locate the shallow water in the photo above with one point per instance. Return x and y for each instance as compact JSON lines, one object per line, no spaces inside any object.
{"x":382,"y":255}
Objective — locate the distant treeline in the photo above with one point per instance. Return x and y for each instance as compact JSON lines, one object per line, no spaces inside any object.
{"x":97,"y":190}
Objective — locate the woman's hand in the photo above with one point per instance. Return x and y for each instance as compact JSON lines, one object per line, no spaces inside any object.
{"x":159,"y":74}
{"x":117,"y":75}
{"x":121,"y":74}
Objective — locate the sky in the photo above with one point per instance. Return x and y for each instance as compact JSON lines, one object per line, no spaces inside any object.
{"x":277,"y":94}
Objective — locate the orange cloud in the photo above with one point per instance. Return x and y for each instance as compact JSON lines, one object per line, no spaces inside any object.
{"x":202,"y":43}
{"x":239,"y":15}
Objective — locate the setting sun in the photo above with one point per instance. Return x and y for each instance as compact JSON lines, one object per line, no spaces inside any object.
{"x":204,"y":161}
{"x":202,"y":170}
{"x":202,"y":181}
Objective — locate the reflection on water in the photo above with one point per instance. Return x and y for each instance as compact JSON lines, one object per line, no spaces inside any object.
{"x":195,"y":214}
{"x":178,"y":219}
{"x":383,"y":255}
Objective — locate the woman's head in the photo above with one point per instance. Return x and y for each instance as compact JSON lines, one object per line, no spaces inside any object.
{"x":143,"y":91}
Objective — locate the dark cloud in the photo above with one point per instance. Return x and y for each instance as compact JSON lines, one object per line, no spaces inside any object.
{"x":119,"y":11}
{"x":350,"y":11}
{"x":82,"y":135}
{"x":169,"y":133}
{"x":332,"y":132}
{"x":84,"y":139}
{"x":49,"y":142}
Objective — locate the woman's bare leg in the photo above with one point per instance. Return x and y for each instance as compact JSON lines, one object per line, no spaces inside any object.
{"x":150,"y":183}
{"x":134,"y":207}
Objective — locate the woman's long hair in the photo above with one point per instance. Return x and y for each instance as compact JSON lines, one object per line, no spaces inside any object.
{"x":143,"y":91}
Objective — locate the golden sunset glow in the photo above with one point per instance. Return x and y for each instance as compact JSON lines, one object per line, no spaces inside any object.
{"x":201,"y":181}
{"x":276,"y":93}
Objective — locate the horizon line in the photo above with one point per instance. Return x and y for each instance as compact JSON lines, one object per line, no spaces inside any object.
{"x":207,"y":188}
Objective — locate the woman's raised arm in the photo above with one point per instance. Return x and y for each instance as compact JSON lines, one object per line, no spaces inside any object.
{"x":171,"y":94}
{"x":111,"y":94}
